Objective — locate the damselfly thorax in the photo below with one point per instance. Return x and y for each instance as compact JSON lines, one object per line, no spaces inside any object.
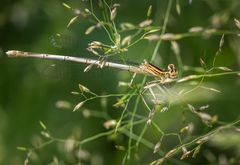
{"x":157,"y":72}
{"x":144,"y":68}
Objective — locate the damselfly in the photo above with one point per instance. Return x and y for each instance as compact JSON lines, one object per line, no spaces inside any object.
{"x":144,"y":68}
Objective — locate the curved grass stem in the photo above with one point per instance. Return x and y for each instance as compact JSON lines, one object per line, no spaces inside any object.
{"x":145,"y":78}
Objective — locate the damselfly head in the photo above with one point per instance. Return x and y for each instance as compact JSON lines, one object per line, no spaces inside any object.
{"x":172,"y":71}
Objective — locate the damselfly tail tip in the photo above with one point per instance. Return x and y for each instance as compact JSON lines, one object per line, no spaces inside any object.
{"x":11,"y":53}
{"x":14,"y":53}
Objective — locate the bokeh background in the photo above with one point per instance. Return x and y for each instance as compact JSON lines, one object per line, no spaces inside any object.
{"x":29,"y":89}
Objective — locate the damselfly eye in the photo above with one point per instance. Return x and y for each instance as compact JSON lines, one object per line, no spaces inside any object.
{"x":172,"y":70}
{"x":171,"y":67}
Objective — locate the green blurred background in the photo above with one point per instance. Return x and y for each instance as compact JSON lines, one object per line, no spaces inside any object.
{"x":30,"y":88}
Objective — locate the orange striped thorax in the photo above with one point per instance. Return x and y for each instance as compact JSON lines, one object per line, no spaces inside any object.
{"x":157,"y":72}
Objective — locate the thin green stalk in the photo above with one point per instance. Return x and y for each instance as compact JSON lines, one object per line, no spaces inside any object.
{"x":109,"y":19}
{"x":124,"y":110}
{"x":196,"y":87}
{"x":145,"y":77}
{"x":131,"y":125}
{"x":157,"y":127}
{"x":136,"y":137}
{"x":179,"y":36}
{"x":163,"y":29}
{"x":193,"y":77}
{"x":180,"y":64}
{"x":106,"y":13}
{"x":141,"y":135}
{"x":102,"y":24}
{"x":45,"y":144}
{"x":136,"y":41}
{"x":91,"y":6}
{"x":105,"y":96}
